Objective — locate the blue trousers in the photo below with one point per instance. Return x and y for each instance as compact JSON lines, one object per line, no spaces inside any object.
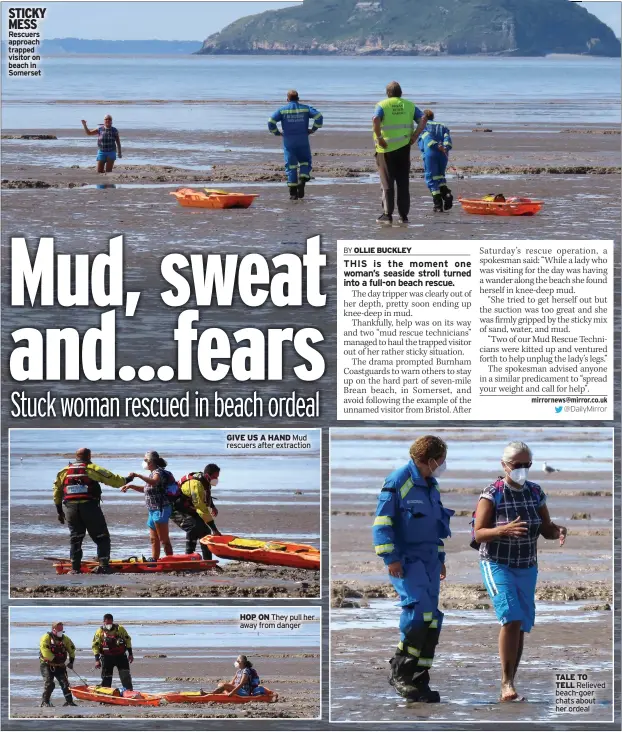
{"x":421,"y":620}
{"x":435,"y":165}
{"x":297,"y":161}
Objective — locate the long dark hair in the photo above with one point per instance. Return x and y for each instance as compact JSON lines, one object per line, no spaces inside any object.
{"x":245,"y":661}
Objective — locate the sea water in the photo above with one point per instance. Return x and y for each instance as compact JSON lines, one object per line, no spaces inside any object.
{"x":225,"y":93}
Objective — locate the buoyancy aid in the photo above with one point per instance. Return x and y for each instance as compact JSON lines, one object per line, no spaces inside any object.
{"x":200,"y":477}
{"x":58,"y":648}
{"x":111,"y":643}
{"x":77,"y":485}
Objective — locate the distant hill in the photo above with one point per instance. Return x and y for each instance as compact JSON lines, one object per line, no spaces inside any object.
{"x":413,"y":27}
{"x":61,"y":46}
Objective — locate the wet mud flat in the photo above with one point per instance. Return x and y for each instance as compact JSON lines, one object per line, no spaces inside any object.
{"x":153,"y":155}
{"x":574,"y":598}
{"x":580,"y":206}
{"x":466,"y":671}
{"x":293,"y":673}
{"x":32,"y":576}
{"x":581,"y":502}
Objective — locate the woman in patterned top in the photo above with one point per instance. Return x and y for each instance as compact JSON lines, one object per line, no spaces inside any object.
{"x":244,"y":683}
{"x":108,"y":144}
{"x":158,"y":501}
{"x":511,"y":514}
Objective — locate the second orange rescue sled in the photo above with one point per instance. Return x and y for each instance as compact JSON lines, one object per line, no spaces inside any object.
{"x":203,"y":697}
{"x":134,"y":565}
{"x":190,"y":198}
{"x":508,"y":207}
{"x":284,"y":554}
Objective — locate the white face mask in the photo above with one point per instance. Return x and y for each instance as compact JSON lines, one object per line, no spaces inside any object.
{"x":439,"y":470}
{"x":108,"y":626}
{"x":213,"y":481}
{"x":145,"y":465}
{"x":59,"y":633}
{"x":236,"y":664}
{"x":519,"y":475}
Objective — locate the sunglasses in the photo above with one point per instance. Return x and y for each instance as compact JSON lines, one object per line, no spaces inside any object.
{"x":516,"y":466}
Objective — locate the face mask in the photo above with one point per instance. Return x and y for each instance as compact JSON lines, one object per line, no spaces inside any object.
{"x":519,"y":475}
{"x":236,"y":665}
{"x":440,"y":469}
{"x":108,"y":626}
{"x":145,"y":465}
{"x":59,"y":633}
{"x":213,"y":481}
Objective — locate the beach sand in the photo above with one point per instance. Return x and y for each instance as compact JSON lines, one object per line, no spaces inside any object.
{"x":573,"y":630}
{"x":293,"y":673}
{"x":31,"y":576}
{"x":577,"y":175}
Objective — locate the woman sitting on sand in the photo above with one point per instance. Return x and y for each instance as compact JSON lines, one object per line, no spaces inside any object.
{"x":108,"y":144}
{"x":511,"y":514}
{"x":244,"y":683}
{"x":158,"y":497}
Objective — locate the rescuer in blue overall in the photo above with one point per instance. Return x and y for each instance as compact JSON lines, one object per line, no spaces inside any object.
{"x":409,"y":527}
{"x":294,"y":118}
{"x":435,"y":144}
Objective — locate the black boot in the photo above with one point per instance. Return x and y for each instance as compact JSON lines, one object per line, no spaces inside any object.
{"x":69,"y":702}
{"x":301,"y":189}
{"x":45,"y":700}
{"x":400,"y":676}
{"x":293,"y":192}
{"x":104,"y":566}
{"x":448,"y":199}
{"x":423,"y":693}
{"x":191,"y":546}
{"x":438,"y":202}
{"x":205,"y":552}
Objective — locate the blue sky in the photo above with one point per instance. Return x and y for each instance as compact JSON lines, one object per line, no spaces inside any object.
{"x":180,"y":20}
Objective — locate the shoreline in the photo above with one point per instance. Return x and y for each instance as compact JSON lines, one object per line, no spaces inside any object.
{"x":181,"y":158}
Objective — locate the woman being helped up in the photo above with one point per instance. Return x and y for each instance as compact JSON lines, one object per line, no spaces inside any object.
{"x":160,"y":490}
{"x":511,"y":514}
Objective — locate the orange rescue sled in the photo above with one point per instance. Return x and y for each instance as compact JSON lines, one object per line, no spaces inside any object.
{"x":510,"y":207}
{"x":114,"y":696}
{"x":284,"y":554}
{"x":174,"y":563}
{"x":203,"y":697}
{"x":209,"y":198}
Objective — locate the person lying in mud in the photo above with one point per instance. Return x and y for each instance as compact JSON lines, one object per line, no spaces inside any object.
{"x":511,"y":513}
{"x":108,"y":144}
{"x":161,"y":491}
{"x":245,"y":682}
{"x":408,"y":532}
